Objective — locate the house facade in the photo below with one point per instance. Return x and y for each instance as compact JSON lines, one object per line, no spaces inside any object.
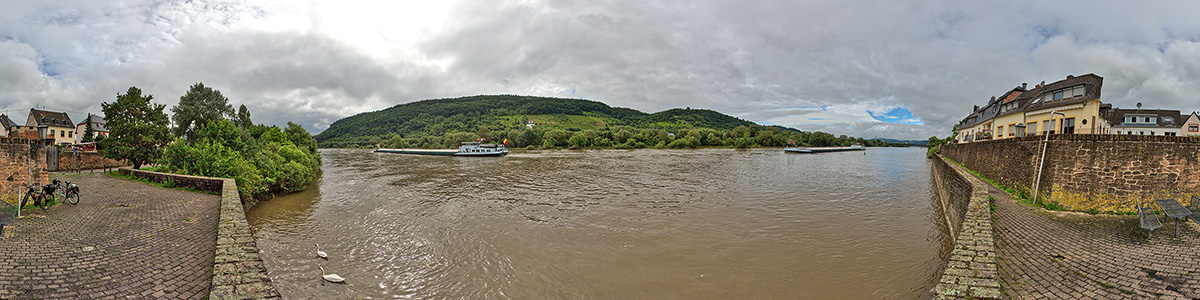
{"x":60,"y":128}
{"x":1191,"y":126}
{"x":1143,"y":121}
{"x":98,"y":128}
{"x":1022,"y":112}
{"x":7,"y":126}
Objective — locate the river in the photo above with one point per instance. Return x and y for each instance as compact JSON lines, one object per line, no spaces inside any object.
{"x":610,"y":224}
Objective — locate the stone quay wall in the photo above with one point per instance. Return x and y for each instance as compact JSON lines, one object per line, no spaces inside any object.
{"x":1106,"y":173}
{"x":238,"y":270}
{"x":20,"y":163}
{"x":954,"y":194}
{"x":971,"y":268}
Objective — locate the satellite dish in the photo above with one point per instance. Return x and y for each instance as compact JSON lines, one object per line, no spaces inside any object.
{"x":1139,"y":105}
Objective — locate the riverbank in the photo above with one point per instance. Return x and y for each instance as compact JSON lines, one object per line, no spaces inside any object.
{"x":125,"y":239}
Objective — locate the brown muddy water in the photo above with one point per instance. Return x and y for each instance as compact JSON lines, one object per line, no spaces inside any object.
{"x":611,"y":224}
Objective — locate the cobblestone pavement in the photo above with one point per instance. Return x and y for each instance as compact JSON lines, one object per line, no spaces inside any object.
{"x":125,"y":239}
{"x":1056,"y":255}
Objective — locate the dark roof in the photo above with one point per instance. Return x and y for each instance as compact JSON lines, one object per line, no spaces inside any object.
{"x":1016,"y":94}
{"x":992,"y":109}
{"x":1092,"y":83}
{"x":1165,"y":118}
{"x":6,"y":122}
{"x":97,"y":123}
{"x":50,"y":118}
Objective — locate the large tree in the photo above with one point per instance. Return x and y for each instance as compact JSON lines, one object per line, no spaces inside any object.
{"x":199,"y":106}
{"x":137,"y":128}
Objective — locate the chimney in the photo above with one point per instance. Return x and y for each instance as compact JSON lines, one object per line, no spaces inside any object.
{"x":1069,"y":76}
{"x":1024,"y":84}
{"x":976,"y":109}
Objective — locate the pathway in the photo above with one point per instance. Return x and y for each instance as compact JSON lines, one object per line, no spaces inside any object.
{"x":1045,"y":255}
{"x":125,"y":239}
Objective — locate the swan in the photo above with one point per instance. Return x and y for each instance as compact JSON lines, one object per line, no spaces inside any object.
{"x":320,"y":253}
{"x":331,"y":277}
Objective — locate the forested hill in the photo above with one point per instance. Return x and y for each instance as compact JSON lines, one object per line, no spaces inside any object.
{"x":503,"y":113}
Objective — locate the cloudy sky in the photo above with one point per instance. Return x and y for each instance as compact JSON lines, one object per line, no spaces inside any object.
{"x":898,"y":69}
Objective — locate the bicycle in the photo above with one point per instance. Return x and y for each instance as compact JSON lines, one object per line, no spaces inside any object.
{"x":66,"y":190}
{"x":38,"y":195}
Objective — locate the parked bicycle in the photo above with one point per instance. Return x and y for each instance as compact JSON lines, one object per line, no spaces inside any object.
{"x":66,"y":190}
{"x":41,"y":196}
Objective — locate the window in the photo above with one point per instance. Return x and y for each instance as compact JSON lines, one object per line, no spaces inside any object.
{"x":999,"y":131}
{"x":1068,"y":125}
{"x":62,"y":133}
{"x":1058,"y":95}
{"x":1012,"y":130}
{"x":1169,"y":133}
{"x":1193,"y":128}
{"x":1031,"y":128}
{"x":1048,"y":125}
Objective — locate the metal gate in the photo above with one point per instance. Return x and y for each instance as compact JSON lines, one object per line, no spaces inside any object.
{"x":51,"y":158}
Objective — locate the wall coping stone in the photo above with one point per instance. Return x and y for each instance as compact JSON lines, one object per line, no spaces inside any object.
{"x":238,"y":270}
{"x":971,"y":270}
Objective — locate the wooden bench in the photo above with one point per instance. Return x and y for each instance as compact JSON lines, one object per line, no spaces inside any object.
{"x":1149,"y":220}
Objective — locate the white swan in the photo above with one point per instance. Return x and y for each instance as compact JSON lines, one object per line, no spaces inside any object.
{"x":320,"y":253}
{"x":331,"y":277}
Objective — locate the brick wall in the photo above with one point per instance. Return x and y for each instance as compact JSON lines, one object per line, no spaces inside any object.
{"x":1090,"y":171}
{"x":19,"y":165}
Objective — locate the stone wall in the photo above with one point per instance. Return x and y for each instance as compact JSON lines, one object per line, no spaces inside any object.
{"x":85,"y":161}
{"x":1090,"y":171}
{"x":954,"y":194}
{"x":971,"y":269}
{"x":20,"y":163}
{"x":238,"y":270}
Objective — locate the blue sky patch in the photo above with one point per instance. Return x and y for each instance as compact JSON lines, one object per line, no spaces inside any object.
{"x":897,"y":115}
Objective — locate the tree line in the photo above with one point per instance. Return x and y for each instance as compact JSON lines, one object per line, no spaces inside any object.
{"x":209,"y":138}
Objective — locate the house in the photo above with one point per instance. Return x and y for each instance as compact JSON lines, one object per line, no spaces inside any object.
{"x":98,"y":127}
{"x":1143,"y":121}
{"x":60,"y":128}
{"x":7,"y":126}
{"x":1021,"y":111}
{"x":1191,"y":126}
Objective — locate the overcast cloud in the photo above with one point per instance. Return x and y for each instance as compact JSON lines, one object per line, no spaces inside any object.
{"x":898,"y":69}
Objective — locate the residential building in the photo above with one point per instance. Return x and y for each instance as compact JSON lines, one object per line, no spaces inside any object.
{"x":1191,"y":126}
{"x":60,"y":128}
{"x":98,"y":127}
{"x":7,"y":126}
{"x":1143,"y":121}
{"x":1020,"y":112}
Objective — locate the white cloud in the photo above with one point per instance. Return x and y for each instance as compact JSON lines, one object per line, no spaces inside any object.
{"x":314,"y":62}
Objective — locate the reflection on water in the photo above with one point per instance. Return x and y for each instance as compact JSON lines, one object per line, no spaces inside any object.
{"x":610,"y":224}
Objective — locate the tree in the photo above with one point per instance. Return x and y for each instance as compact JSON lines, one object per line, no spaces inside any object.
{"x":197,"y":107}
{"x":138,"y":128}
{"x":243,"y":117}
{"x":89,"y":133}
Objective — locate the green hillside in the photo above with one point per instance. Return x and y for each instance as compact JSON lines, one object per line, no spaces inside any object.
{"x":502,"y":113}
{"x":539,"y":122}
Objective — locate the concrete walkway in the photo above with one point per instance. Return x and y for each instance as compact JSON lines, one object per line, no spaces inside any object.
{"x":1056,"y":255}
{"x":125,"y":239}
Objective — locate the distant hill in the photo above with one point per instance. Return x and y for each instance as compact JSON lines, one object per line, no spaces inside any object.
{"x":501,"y":113}
{"x":909,"y":142}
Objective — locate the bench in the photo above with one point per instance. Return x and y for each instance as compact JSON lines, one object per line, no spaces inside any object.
{"x":1149,"y":220}
{"x":1194,"y":206}
{"x":8,"y":215}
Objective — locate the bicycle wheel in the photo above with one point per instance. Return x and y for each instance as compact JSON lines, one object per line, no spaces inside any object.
{"x":73,"y":197}
{"x":43,"y":202}
{"x":25,"y":199}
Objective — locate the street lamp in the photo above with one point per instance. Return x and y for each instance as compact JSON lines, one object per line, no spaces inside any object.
{"x":42,"y":133}
{"x":1037,"y":181}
